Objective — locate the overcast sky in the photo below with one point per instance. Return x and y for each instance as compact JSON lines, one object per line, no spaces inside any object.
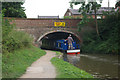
{"x":52,"y":7}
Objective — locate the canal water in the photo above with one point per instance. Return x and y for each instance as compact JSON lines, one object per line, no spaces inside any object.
{"x":99,"y":65}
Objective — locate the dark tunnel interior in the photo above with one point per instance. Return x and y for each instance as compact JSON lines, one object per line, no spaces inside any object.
{"x":48,"y":41}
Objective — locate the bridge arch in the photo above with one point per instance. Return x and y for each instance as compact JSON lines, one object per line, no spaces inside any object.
{"x":64,"y":31}
{"x":48,"y":38}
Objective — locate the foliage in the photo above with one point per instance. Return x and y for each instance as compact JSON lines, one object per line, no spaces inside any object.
{"x":12,"y":39}
{"x":108,"y":41}
{"x":87,"y":7}
{"x":18,"y":52}
{"x":70,"y":17}
{"x":15,"y":63}
{"x":117,"y":4}
{"x":13,"y":9}
{"x":0,"y":65}
{"x":67,"y":70}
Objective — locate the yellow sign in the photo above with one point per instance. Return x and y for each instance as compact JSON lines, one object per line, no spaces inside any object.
{"x":57,"y":24}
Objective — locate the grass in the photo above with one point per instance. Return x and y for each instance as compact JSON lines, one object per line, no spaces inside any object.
{"x":58,"y":53}
{"x":15,"y":64}
{"x":0,"y":65}
{"x":67,"y":70}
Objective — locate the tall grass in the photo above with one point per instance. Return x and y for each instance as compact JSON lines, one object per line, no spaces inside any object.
{"x":12,"y":39}
{"x":18,"y":52}
{"x":14,"y":64}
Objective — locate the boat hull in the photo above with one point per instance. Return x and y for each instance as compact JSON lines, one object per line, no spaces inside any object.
{"x":73,"y":51}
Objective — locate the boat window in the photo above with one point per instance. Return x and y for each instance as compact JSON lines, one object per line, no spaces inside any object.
{"x":59,"y":45}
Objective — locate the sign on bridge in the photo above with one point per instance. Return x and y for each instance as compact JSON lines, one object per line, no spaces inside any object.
{"x":59,"y":24}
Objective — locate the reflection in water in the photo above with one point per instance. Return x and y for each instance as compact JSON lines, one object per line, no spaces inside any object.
{"x":100,"y":65}
{"x":73,"y":58}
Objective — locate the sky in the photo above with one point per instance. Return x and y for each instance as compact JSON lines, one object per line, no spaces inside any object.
{"x":33,"y":8}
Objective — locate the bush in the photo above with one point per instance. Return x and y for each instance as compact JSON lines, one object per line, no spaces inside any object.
{"x":12,"y":39}
{"x":108,"y":40}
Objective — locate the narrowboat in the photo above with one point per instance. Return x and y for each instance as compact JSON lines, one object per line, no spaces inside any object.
{"x":63,"y":45}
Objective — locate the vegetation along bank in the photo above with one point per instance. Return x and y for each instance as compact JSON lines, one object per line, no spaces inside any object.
{"x":18,"y":51}
{"x":67,"y":70}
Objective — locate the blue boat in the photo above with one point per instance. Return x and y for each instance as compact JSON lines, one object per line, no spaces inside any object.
{"x":63,"y":45}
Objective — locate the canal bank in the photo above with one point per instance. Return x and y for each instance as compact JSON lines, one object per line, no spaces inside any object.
{"x":14,"y":64}
{"x":42,"y":68}
{"x":67,"y":70}
{"x":104,"y":66}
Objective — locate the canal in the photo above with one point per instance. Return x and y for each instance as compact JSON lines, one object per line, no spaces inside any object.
{"x":99,"y":65}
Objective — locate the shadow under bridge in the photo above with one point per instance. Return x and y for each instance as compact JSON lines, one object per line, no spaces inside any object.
{"x":48,"y":40}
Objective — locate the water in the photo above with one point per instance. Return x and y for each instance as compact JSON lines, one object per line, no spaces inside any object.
{"x":99,"y":65}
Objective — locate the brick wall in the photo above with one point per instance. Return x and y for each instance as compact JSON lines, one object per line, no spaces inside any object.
{"x":38,"y":27}
{"x":48,"y":23}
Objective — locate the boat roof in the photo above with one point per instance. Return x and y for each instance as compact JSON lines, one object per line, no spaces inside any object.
{"x":60,"y":40}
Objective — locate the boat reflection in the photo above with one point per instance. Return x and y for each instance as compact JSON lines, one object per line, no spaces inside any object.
{"x":72,"y":58}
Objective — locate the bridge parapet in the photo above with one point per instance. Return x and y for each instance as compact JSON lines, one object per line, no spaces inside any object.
{"x":43,"y":23}
{"x":40,"y":27}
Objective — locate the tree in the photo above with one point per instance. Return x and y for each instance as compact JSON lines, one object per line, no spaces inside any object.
{"x":87,"y":7}
{"x":13,"y":9}
{"x":117,"y":4}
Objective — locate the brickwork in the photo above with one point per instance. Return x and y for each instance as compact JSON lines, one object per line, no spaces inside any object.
{"x":39,"y":27}
{"x":48,"y":23}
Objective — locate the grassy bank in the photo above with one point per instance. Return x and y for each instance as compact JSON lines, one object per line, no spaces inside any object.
{"x":17,"y":50}
{"x":0,"y":65}
{"x":14,"y":64}
{"x":67,"y":70}
{"x":58,"y":54}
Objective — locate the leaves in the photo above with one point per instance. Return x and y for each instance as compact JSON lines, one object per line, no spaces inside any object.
{"x":109,"y":28}
{"x":13,"y":40}
{"x":86,"y":8}
{"x":13,"y":9}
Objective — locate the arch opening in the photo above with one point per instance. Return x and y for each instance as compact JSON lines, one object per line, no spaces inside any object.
{"x":47,"y":41}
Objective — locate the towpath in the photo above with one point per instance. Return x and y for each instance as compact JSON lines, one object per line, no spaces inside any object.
{"x":42,"y":68}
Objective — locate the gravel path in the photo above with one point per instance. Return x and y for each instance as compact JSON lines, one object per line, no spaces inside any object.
{"x":42,"y":68}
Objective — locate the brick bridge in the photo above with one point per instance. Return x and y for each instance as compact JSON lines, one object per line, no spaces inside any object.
{"x":39,"y":28}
